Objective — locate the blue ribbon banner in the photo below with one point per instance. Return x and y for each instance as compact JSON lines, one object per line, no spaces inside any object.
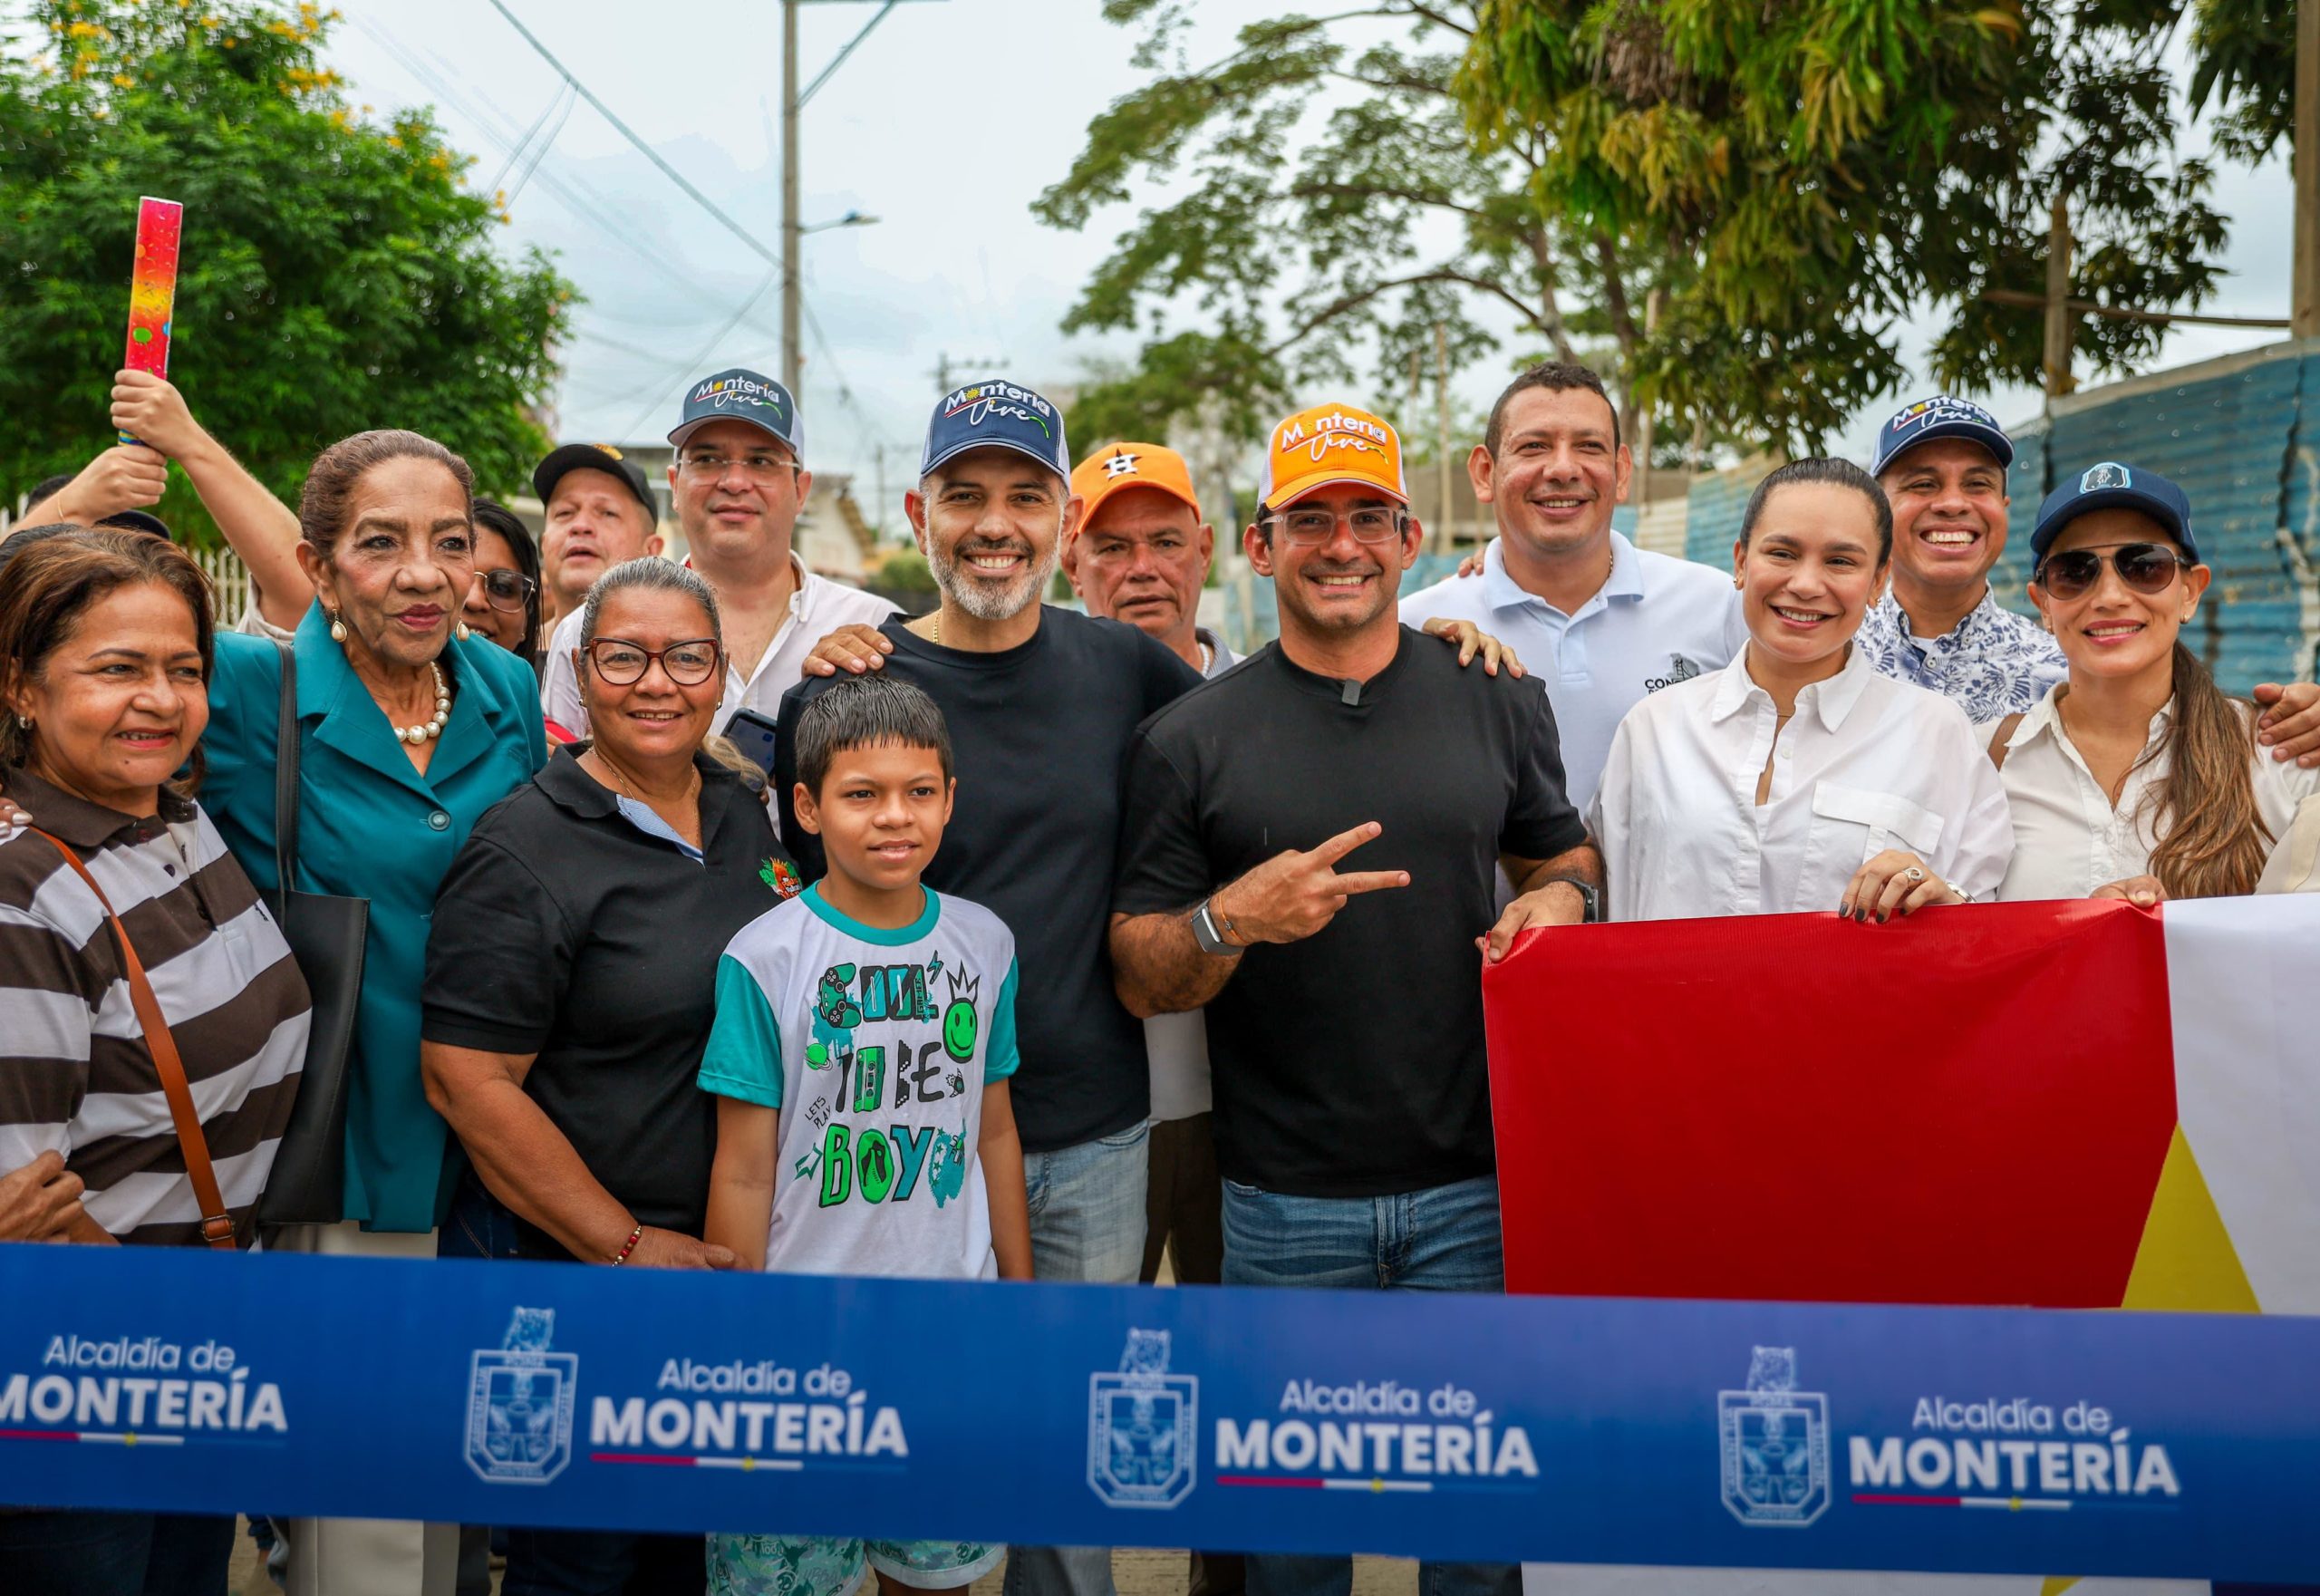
{"x":1579,"y":1430}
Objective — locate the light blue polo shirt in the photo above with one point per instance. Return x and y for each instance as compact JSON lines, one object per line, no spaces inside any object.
{"x":1656,"y":620}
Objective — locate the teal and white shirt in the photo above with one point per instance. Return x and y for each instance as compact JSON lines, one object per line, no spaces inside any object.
{"x":875,"y":1046}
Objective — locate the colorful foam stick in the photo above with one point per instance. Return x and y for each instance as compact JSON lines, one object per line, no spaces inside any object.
{"x":153,"y":287}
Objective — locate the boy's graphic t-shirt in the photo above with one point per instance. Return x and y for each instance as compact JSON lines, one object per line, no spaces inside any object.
{"x":875,"y":1046}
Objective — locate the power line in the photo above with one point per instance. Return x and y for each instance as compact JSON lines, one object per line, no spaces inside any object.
{"x":547,"y":144}
{"x":707,"y":350}
{"x":563,"y":92}
{"x":629,"y":133}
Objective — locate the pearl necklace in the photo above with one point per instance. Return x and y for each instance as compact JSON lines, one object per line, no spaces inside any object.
{"x":429,"y":732}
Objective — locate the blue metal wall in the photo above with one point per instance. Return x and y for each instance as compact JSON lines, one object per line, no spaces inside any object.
{"x":2241,"y":437}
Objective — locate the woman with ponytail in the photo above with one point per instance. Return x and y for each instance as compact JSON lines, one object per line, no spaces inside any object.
{"x":2138,"y":778}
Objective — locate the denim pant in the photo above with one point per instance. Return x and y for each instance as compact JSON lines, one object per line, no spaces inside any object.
{"x":68,"y":1552}
{"x":1087,"y":1207}
{"x":1441,"y":1239}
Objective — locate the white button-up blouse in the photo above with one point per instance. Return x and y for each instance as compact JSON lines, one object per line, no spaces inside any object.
{"x":1867,"y":763}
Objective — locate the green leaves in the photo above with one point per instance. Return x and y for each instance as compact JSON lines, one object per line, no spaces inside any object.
{"x":336,"y":276}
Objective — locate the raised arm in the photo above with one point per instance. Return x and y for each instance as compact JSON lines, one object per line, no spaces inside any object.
{"x":258,"y":527}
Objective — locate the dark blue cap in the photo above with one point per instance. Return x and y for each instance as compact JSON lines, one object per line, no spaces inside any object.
{"x":2112,"y":486}
{"x":742,"y":395}
{"x":995,"y":415}
{"x":1940,"y":417}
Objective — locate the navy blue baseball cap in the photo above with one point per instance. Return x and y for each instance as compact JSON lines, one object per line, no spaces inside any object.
{"x":742,"y":395}
{"x":995,"y":415}
{"x":2112,"y":486}
{"x":1940,"y":417}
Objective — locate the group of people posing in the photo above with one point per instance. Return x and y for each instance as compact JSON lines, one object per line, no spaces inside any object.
{"x":747,"y":923}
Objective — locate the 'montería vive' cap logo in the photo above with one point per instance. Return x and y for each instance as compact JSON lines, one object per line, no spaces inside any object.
{"x":985,"y":401}
{"x":1941,"y":407}
{"x":1774,"y":1442}
{"x":727,"y":393}
{"x":520,"y":1403}
{"x":1143,"y":1427}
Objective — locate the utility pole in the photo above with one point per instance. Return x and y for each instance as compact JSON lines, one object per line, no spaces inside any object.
{"x":1441,"y":427}
{"x":2304,"y":313}
{"x":792,"y":351}
{"x":2059,"y":321}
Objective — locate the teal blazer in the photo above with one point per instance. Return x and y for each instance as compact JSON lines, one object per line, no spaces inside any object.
{"x":370,"y":826}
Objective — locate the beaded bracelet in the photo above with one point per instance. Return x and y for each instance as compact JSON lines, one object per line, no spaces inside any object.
{"x":635,"y":1236}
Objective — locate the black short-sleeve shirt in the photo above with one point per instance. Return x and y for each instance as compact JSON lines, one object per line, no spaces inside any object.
{"x":1350,"y":1064}
{"x":1039,"y":736}
{"x":565,"y":931}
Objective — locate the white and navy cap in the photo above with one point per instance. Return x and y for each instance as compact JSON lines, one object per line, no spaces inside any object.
{"x":1940,"y":417}
{"x":742,"y":395}
{"x":995,"y":415}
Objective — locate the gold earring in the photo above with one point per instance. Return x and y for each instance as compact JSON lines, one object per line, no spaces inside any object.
{"x":337,"y":629}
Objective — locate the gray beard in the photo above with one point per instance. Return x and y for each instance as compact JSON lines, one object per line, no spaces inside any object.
{"x":983,"y":600}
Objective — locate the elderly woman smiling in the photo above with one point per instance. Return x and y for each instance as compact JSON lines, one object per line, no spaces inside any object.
{"x":571,"y":983}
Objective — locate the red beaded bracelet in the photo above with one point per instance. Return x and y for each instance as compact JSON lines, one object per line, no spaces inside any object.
{"x":635,"y":1236}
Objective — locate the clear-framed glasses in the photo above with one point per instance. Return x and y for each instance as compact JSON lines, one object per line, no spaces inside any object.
{"x":760,"y":465}
{"x":622,"y":663}
{"x":1307,"y":527}
{"x":506,"y":590}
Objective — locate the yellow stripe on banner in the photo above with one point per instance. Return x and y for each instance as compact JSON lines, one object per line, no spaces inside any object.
{"x":2060,"y":1583}
{"x":2185,"y":1261}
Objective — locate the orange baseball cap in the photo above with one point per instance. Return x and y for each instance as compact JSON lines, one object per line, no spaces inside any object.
{"x":1126,"y":464}
{"x":1331,"y":443}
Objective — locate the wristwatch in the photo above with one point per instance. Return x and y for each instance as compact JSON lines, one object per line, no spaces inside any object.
{"x":1205,"y":931}
{"x":1588,"y":896}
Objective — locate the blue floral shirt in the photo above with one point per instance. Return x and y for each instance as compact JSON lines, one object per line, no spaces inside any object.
{"x":1992,"y":665}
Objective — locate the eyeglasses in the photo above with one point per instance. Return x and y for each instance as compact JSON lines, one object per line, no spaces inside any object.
{"x":1304,"y":529}
{"x":2146,"y":567}
{"x":622,"y":663}
{"x":506,"y":590}
{"x":762,"y":464}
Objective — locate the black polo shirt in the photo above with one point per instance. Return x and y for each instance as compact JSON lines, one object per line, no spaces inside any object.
{"x":565,"y":931}
{"x":1039,"y":735}
{"x":1350,"y":1064}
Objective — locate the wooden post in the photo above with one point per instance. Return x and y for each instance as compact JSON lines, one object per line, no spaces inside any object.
{"x":1640,"y":446}
{"x":2304,"y":313}
{"x":1442,"y":429}
{"x":2059,"y":326}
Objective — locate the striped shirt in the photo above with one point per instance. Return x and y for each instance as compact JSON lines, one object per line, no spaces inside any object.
{"x":76,"y":1074}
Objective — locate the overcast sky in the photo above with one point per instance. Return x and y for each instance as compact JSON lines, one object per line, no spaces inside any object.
{"x":947,"y":121}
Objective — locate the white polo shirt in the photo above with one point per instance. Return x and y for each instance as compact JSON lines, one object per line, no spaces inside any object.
{"x":1655,"y":622}
{"x":817,"y":607}
{"x":1867,"y":763}
{"x":2069,"y":838}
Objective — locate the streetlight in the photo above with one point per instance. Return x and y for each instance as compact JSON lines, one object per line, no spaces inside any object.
{"x":852,"y":219}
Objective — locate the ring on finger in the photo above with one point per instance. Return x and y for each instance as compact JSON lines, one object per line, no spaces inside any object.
{"x":1913,"y":873}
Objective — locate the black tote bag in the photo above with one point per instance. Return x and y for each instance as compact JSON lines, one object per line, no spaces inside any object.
{"x":327,"y":936}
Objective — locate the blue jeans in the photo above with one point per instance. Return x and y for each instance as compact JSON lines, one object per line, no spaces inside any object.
{"x":67,"y":1553}
{"x":1087,"y":1206}
{"x":1441,"y":1239}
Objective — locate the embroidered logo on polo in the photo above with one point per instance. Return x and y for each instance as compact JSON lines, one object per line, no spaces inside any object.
{"x":782,"y":876}
{"x":871,"y":1150}
{"x":1679,"y":668}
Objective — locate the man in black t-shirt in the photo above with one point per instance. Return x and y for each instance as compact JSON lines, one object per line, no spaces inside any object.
{"x":1311,"y":850}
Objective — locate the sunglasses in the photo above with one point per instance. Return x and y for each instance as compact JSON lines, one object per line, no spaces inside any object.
{"x":506,"y":590}
{"x":2146,"y":567}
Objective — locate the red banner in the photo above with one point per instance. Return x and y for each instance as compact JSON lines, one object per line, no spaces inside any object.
{"x":1972,"y":1105}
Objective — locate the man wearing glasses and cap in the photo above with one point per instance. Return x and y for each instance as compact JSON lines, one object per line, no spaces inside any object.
{"x":736,"y":487}
{"x":1312,"y":849}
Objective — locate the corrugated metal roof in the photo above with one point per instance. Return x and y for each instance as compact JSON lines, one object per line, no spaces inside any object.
{"x":2241,"y":437}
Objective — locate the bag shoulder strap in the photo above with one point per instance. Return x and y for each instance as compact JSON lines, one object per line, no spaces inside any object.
{"x":287,"y":738}
{"x":2002,"y":737}
{"x":217,"y":1227}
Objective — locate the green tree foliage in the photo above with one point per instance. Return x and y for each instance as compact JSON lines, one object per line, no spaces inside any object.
{"x":335,"y":275}
{"x":1830,"y":163}
{"x":1321,"y":207}
{"x":2245,"y":52}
